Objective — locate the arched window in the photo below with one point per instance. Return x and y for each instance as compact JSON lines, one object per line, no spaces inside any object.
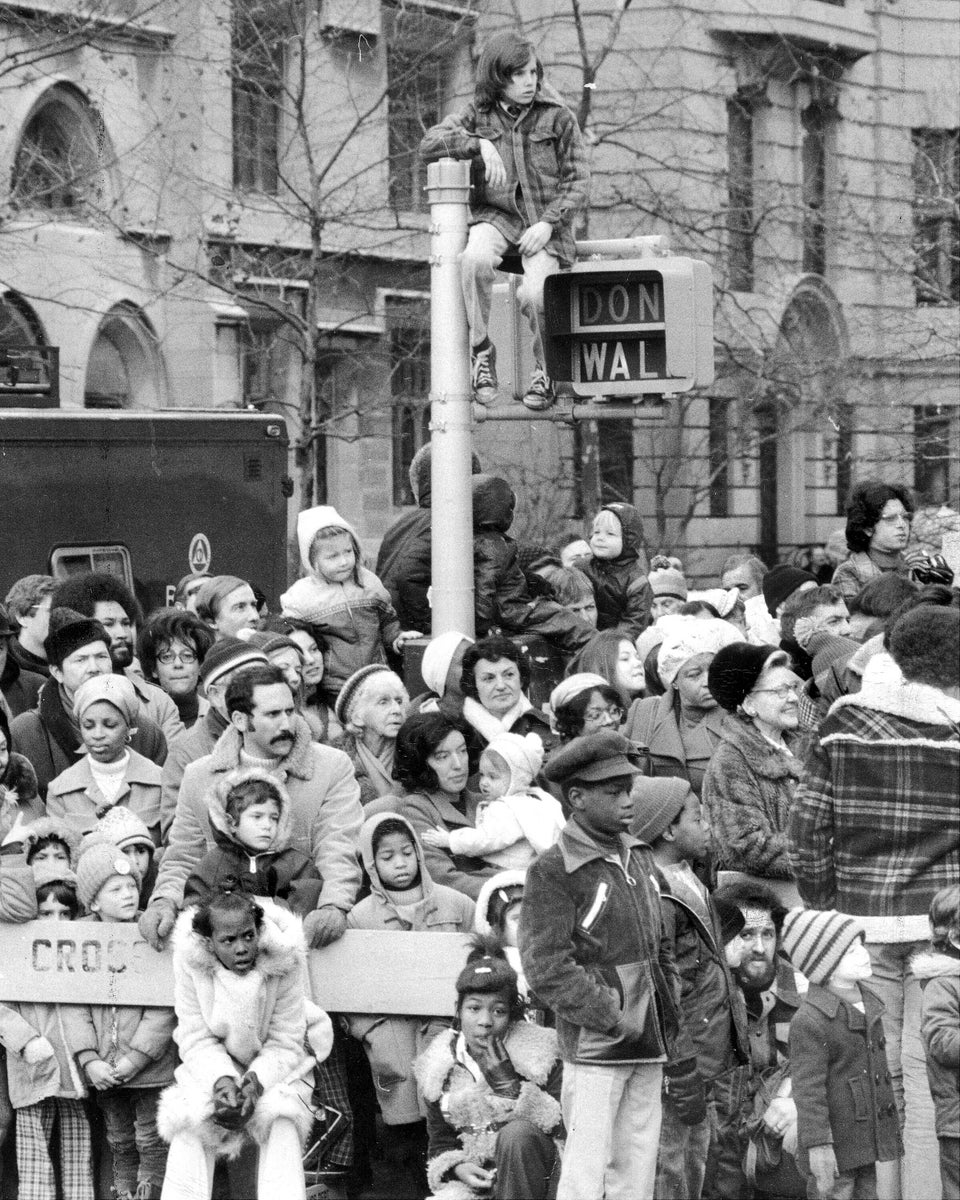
{"x":19,"y":324}
{"x":62,"y":156}
{"x":124,"y":369}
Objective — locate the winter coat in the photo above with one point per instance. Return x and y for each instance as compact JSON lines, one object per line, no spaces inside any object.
{"x":18,"y":888}
{"x":74,"y":797}
{"x":748,"y":793}
{"x":281,"y":873}
{"x":624,"y":595}
{"x":939,"y":976}
{"x":512,"y":831}
{"x":403,"y":565}
{"x":501,"y":597}
{"x":393,"y":1042}
{"x":324,"y":809}
{"x":59,"y":1076}
{"x":874,"y":830}
{"x":652,"y":723}
{"x":594,"y":951}
{"x":24,"y":804}
{"x":19,"y":687}
{"x":464,"y":1115}
{"x":50,"y":738}
{"x":354,"y":622}
{"x":841,"y":1081}
{"x":198,"y":741}
{"x":855,"y":572}
{"x":110,"y":1032}
{"x":430,"y":810}
{"x":713,"y":1020}
{"x":546,"y":166}
{"x":231,"y":1024}
{"x":156,"y":704}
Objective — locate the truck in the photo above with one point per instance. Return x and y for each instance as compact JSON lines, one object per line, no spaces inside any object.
{"x":145,"y":495}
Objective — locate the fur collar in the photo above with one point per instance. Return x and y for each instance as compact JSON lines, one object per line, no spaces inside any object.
{"x":225,"y":755}
{"x":533,"y":1051}
{"x":762,"y":756}
{"x":916,"y":702}
{"x":282,"y":944}
{"x":934,"y":964}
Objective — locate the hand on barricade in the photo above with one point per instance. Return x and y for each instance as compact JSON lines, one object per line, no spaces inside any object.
{"x":324,"y":925}
{"x":156,"y":924}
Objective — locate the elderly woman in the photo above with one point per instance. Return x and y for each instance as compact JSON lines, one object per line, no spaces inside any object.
{"x":681,"y":729}
{"x":371,"y":707}
{"x":749,"y":786}
{"x":613,"y":655}
{"x":585,"y":703}
{"x":171,"y":648}
{"x":431,"y":765}
{"x":878,"y":529}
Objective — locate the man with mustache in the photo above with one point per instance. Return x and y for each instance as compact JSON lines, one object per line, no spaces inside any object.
{"x":265,"y":731}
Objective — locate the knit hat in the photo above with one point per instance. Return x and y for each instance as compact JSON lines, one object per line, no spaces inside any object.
{"x":438,"y":657}
{"x":657,"y":804}
{"x":112,"y":689}
{"x":827,"y":648}
{"x":352,"y":693}
{"x":124,"y":828}
{"x":815,"y":941}
{"x":98,"y":862}
{"x":68,"y":632}
{"x":684,"y":637}
{"x":228,"y":654}
{"x":523,"y":754}
{"x":721,"y":599}
{"x":734,"y":672}
{"x":668,"y":582}
{"x":48,"y":870}
{"x":782,"y":581}
{"x":574,"y":685}
{"x":214,"y":592}
{"x":732,"y":919}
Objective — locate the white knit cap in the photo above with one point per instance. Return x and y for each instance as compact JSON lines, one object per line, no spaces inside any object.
{"x":683,"y":637}
{"x":574,"y":685}
{"x":523,"y":754}
{"x":437,"y":658}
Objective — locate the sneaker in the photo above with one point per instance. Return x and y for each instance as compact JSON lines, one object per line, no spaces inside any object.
{"x":540,"y":394}
{"x":483,"y":374}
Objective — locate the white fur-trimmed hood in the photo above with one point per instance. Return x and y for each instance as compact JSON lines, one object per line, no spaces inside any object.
{"x":910,"y":701}
{"x":282,"y":944}
{"x":533,"y":1050}
{"x":934,"y":964}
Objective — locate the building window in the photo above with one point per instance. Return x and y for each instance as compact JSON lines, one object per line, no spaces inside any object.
{"x":408,"y":322}
{"x":813,"y":155}
{"x":936,"y":215}
{"x":719,"y":456}
{"x":844,"y":456}
{"x":60,"y":161}
{"x":257,"y":86}
{"x":124,"y":369}
{"x":931,"y":454}
{"x":424,"y":51}
{"x":615,"y":456}
{"x":740,"y":197}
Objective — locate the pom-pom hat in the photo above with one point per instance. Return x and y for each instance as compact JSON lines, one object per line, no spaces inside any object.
{"x":523,"y":755}
{"x":815,"y":940}
{"x":100,"y":861}
{"x":668,"y":582}
{"x":124,"y":828}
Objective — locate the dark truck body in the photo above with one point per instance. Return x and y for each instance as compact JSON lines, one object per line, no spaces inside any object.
{"x":144,"y":494}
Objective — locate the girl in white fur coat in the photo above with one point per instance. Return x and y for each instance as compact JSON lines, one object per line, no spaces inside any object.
{"x":239,"y":993}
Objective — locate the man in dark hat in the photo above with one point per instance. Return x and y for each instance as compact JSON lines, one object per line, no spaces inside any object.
{"x":592,"y":947}
{"x":77,"y":649}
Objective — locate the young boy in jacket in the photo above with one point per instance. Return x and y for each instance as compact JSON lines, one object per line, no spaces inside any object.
{"x":593,"y":949}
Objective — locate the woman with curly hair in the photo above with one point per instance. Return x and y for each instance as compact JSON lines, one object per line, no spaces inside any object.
{"x":878,"y":529}
{"x":171,"y":647}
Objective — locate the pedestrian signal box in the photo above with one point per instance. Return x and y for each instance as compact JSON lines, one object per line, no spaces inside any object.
{"x":630,"y":328}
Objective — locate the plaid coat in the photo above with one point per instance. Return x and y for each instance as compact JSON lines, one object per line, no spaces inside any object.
{"x":874,"y":830}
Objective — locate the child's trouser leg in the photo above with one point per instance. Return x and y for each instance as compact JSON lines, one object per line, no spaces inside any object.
{"x":485,"y":248}
{"x":536,"y":268}
{"x":34,"y":1166}
{"x":76,"y":1158}
{"x":189,"y":1173}
{"x":151,"y":1147}
{"x":280,"y":1173}
{"x":118,"y":1110}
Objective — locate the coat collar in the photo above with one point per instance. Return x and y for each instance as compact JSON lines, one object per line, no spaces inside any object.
{"x":80,"y":776}
{"x":762,"y":755}
{"x":911,"y":701}
{"x":532,"y":1048}
{"x":577,"y":848}
{"x":225,"y":755}
{"x":281,"y":948}
{"x":830,"y":1004}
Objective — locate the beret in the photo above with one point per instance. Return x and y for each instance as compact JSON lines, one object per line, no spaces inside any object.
{"x":593,"y":757}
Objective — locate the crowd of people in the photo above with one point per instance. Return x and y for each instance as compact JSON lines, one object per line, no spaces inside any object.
{"x":713,"y":881}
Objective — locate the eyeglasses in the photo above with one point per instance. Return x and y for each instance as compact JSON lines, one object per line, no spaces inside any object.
{"x":169,"y":657}
{"x":900,"y":518}
{"x":614,"y":714}
{"x":781,"y":693}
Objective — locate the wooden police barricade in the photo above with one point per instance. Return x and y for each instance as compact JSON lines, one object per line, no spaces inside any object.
{"x":90,"y":962}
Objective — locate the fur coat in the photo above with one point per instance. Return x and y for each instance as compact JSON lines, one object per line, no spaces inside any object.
{"x":474,"y":1113}
{"x":230,"y":1024}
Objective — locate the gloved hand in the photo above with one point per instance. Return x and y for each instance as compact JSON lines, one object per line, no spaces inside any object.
{"x":156,"y":924}
{"x":498,"y":1070}
{"x":823,"y":1166}
{"x":251,"y":1089}
{"x":684,"y":1091}
{"x":322,"y":926}
{"x":227,"y":1103}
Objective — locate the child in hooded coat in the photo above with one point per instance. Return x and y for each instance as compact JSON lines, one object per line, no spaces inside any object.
{"x":347,"y":607}
{"x":281,"y":872}
{"x":623,"y":593}
{"x":413,"y":904}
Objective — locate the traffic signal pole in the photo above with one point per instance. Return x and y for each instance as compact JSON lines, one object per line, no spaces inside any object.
{"x":451,"y":529}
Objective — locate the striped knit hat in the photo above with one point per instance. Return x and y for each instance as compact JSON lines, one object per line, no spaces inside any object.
{"x":351,"y":693}
{"x":816,"y":941}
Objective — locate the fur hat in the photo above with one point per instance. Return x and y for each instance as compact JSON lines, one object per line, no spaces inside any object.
{"x":780,"y":582}
{"x":439,"y":656}
{"x":124,"y":828}
{"x":228,"y":654}
{"x":70,"y":631}
{"x":668,"y":582}
{"x":351,"y":694}
{"x":98,"y":862}
{"x":684,"y":637}
{"x":734,"y":672}
{"x":50,"y":827}
{"x":815,"y":941}
{"x":658,"y":803}
{"x":523,"y":755}
{"x":112,"y":689}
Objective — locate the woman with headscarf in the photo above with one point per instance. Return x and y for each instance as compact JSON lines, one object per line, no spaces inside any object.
{"x":371,"y":708}
{"x":681,"y":728}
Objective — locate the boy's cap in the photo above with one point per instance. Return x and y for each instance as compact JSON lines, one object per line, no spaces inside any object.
{"x":99,"y":862}
{"x":658,"y":803}
{"x":815,"y":941}
{"x":593,"y":757}
{"x":227,"y":655}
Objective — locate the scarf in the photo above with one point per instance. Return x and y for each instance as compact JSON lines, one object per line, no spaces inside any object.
{"x":488,"y":725}
{"x":58,"y":720}
{"x":188,"y":707}
{"x":379,"y":767}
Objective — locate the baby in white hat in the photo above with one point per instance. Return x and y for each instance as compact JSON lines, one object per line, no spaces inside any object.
{"x":516,"y":821}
